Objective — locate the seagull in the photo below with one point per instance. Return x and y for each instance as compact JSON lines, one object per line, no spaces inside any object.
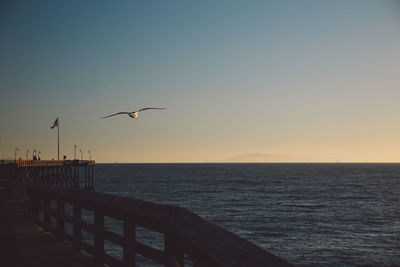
{"x":133,"y":114}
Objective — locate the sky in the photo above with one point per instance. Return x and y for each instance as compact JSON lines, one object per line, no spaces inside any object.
{"x":312,"y":80}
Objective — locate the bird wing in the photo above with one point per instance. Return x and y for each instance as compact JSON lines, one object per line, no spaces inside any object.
{"x":118,"y":113}
{"x":147,"y":109}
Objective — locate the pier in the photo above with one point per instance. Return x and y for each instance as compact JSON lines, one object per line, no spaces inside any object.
{"x":47,"y":199}
{"x":64,"y":173}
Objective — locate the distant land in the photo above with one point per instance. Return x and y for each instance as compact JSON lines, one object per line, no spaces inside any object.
{"x":260,"y":157}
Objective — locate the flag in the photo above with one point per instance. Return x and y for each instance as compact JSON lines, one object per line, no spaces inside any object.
{"x":55,"y":124}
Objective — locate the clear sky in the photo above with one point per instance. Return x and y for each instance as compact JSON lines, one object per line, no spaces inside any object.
{"x":312,"y":79}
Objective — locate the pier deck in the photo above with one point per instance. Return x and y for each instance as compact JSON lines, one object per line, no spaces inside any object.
{"x":27,"y":244}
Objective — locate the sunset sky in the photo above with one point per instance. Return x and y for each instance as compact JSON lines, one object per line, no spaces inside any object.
{"x":315,"y":80}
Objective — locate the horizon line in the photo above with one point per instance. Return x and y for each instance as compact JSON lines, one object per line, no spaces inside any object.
{"x":255,"y":162}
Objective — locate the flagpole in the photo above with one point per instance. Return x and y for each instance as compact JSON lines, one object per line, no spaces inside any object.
{"x":58,"y":139}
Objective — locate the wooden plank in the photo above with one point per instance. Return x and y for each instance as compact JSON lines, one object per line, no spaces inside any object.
{"x":47,"y":207}
{"x":93,"y":251}
{"x":99,"y":237}
{"x":129,"y":232}
{"x":209,"y":245}
{"x":37,"y":247}
{"x":60,"y":218}
{"x":173,"y":250}
{"x":76,"y":228}
{"x":146,"y":214}
{"x":150,"y":253}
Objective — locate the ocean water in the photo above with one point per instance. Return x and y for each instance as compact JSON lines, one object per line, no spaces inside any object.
{"x":308,"y":214}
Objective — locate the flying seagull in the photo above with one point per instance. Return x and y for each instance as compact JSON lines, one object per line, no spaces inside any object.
{"x":133,"y":114}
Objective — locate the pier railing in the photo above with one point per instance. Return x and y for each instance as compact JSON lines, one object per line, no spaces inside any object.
{"x":48,"y":163}
{"x":187,"y":237}
{"x":63,"y":173}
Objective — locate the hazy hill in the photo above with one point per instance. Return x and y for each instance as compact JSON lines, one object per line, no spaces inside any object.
{"x":259,"y":157}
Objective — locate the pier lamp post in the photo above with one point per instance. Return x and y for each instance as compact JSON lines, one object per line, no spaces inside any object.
{"x":26,"y":154}
{"x":81,"y":154}
{"x":74,"y":152}
{"x":15,"y":152}
{"x":90,"y":155}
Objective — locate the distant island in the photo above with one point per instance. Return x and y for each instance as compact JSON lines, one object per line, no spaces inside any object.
{"x":260,"y":157}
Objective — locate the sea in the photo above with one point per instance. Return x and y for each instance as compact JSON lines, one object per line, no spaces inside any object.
{"x":308,"y":214}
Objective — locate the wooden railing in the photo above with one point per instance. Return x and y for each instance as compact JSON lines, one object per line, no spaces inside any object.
{"x":47,"y":163}
{"x":66,"y":173}
{"x":187,"y":237}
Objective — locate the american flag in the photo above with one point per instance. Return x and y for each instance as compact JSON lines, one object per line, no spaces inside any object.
{"x":55,"y":124}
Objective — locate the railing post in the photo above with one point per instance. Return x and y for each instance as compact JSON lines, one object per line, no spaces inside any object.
{"x":77,"y":233}
{"x":76,"y":175}
{"x":99,"y":238}
{"x":173,"y":251}
{"x":34,"y":207}
{"x":61,"y":176}
{"x":48,"y":176}
{"x":86,"y":177}
{"x":51,"y":175}
{"x":68,"y":176}
{"x":91,"y":177}
{"x":44,"y":176}
{"x":60,"y":219}
{"x":65,"y":176}
{"x":55,"y":168}
{"x":58,"y":176}
{"x":129,"y":233}
{"x":46,"y":214}
{"x":71,"y":180}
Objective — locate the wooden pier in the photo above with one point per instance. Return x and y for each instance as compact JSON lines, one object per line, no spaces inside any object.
{"x":64,"y":173}
{"x":188,"y":240}
{"x":23,"y":242}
